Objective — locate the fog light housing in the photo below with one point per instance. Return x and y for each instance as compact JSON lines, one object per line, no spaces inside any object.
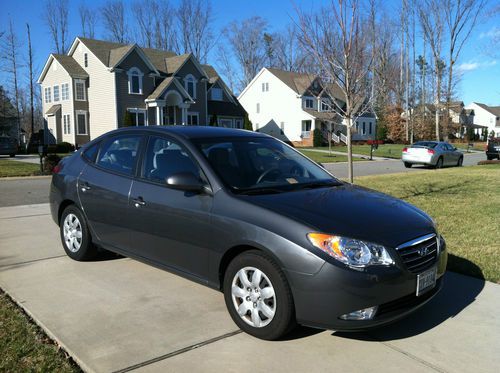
{"x":364,"y":314}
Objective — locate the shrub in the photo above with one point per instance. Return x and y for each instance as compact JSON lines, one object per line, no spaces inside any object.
{"x":49,"y":162}
{"x":247,"y":124}
{"x":128,"y":119}
{"x":214,"y":121}
{"x":317,"y":137}
{"x":64,"y":147}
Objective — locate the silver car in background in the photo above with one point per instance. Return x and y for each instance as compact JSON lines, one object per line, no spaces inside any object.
{"x":432,"y":153}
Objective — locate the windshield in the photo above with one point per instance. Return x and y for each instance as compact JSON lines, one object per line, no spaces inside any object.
{"x":262,"y":164}
{"x":5,"y":140}
{"x":428,"y":144}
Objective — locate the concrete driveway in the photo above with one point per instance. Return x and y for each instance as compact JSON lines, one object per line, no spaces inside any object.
{"x":117,"y":314}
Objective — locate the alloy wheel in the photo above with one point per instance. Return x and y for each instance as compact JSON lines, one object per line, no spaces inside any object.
{"x":253,"y":297}
{"x":72,"y":231}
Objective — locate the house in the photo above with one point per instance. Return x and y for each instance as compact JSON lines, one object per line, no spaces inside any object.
{"x":486,"y":116}
{"x":289,"y":106}
{"x":99,"y":86}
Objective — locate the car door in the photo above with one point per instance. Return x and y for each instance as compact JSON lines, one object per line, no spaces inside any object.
{"x":449,"y":154}
{"x":104,"y":186}
{"x":171,"y":227}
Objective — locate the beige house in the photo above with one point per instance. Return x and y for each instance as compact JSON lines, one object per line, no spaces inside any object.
{"x":99,"y":86}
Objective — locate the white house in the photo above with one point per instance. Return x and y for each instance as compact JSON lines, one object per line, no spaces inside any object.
{"x":488,"y":116}
{"x":289,"y":106}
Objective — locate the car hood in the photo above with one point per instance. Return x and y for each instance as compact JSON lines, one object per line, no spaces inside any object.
{"x":351,"y":211}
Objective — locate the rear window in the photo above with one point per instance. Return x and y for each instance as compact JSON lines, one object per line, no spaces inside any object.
{"x":91,"y":153}
{"x":428,"y":144}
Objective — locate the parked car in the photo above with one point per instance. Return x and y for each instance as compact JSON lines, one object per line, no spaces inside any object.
{"x":245,"y":213}
{"x":8,"y":146}
{"x":493,"y":148}
{"x":432,"y":153}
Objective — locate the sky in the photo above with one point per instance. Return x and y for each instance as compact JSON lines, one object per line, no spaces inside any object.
{"x":479,"y":62}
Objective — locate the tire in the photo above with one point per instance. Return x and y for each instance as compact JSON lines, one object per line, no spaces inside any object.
{"x":407,"y":164}
{"x":12,"y":155}
{"x":439,"y":163}
{"x":81,"y":247}
{"x":460,"y":162}
{"x":274,"y":325}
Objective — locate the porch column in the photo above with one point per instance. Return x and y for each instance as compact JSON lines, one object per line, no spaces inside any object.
{"x":184,"y":116}
{"x":161,"y":117}
{"x":158,"y":115}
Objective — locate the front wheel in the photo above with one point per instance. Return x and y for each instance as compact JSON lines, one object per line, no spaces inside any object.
{"x":407,"y":164}
{"x":75,"y":235}
{"x":439,"y":163}
{"x":460,"y":162}
{"x":258,"y":296}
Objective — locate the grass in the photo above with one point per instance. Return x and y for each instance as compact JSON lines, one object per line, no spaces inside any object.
{"x":385,"y":150}
{"x":10,"y":168}
{"x":323,"y":157}
{"x":24,"y":347}
{"x":476,"y":146}
{"x":465,"y":203}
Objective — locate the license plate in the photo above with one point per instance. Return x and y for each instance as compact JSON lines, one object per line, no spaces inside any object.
{"x":426,"y":281}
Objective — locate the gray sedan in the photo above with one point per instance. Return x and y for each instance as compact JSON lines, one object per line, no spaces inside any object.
{"x":432,"y":153}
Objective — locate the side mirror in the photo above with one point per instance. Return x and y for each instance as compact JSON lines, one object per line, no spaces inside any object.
{"x":186,"y":181}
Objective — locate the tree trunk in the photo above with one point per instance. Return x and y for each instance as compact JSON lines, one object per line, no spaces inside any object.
{"x":30,"y":63}
{"x":350,"y":175}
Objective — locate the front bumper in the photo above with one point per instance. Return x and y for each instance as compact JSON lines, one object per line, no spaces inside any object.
{"x":322,"y":298}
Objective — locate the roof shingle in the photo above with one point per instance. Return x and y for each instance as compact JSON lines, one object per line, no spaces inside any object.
{"x":71,"y":66}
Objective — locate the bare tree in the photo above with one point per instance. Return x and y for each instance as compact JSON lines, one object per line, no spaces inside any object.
{"x":333,"y":36}
{"x":114,"y":19}
{"x":226,"y":67}
{"x":246,"y":39}
{"x":165,"y":35}
{"x":145,"y":12}
{"x":10,"y":55}
{"x":56,"y":17}
{"x":290,"y":55}
{"x":460,"y":19}
{"x":195,"y":25}
{"x":431,"y":20}
{"x":31,"y":81}
{"x":88,"y":21}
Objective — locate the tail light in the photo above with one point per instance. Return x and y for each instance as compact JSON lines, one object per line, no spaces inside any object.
{"x":57,"y":168}
{"x":405,"y":150}
{"x":431,"y":151}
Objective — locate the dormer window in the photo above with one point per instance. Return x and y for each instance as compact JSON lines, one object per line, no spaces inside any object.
{"x":135,"y":81}
{"x":308,"y":103}
{"x":190,"y":85}
{"x":216,"y":94}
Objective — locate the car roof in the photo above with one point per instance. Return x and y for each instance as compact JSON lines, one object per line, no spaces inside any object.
{"x":195,"y":132}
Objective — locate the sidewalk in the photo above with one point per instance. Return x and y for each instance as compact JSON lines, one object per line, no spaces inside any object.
{"x":117,"y":314}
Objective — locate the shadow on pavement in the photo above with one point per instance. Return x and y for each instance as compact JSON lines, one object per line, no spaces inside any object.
{"x":458,"y":292}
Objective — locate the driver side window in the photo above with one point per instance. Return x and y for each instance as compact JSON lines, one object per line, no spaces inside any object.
{"x":164,"y":158}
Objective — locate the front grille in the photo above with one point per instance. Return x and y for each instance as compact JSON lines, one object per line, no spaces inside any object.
{"x":419,"y":254}
{"x":406,"y":303}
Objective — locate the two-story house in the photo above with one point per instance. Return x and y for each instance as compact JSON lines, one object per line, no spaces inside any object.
{"x":486,"y":116}
{"x":99,"y":86}
{"x":289,"y":106}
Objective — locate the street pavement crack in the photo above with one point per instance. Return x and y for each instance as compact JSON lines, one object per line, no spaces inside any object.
{"x":32,"y":261}
{"x":178,"y":352}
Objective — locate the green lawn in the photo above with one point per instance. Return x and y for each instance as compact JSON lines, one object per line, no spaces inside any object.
{"x":16,"y":168}
{"x":465,"y":203}
{"x":477,"y":146}
{"x":386,"y":150}
{"x":24,"y":347}
{"x":323,"y":157}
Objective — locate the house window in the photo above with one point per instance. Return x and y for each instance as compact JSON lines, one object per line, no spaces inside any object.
{"x":48,"y":96}
{"x":81,"y":122}
{"x":86,"y":60}
{"x":217,"y":94}
{"x":80,"y":90}
{"x":309,"y":103}
{"x":138,"y":116}
{"x":65,"y":91}
{"x":238,"y":123}
{"x":265,"y":87}
{"x":258,"y":108}
{"x":364,"y":128}
{"x":190,"y":85}
{"x":325,"y":105}
{"x":135,"y":81}
{"x":306,"y":125}
{"x":67,"y":124}
{"x":370,"y":128}
{"x":56,"y":93}
{"x":227,"y":123}
{"x":192,"y":119}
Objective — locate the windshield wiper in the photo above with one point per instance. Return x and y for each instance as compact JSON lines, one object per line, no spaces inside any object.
{"x":263,"y":190}
{"x":318,"y":184}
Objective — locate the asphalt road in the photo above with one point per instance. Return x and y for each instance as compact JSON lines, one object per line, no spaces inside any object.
{"x":25,"y":191}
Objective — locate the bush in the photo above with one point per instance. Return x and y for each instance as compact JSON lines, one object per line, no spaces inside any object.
{"x":64,"y":147}
{"x":247,"y":124}
{"x":317,"y":137}
{"x":214,"y":121}
{"x":49,"y":162}
{"x":128,"y":119}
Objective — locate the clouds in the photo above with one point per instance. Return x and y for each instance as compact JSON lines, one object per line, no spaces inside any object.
{"x":472,"y":65}
{"x":493,"y":33}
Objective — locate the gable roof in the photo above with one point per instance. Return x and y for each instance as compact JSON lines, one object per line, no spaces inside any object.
{"x":164,"y":85}
{"x":214,"y":78}
{"x":158,"y":58}
{"x":53,"y":109}
{"x":68,"y":63}
{"x":100,"y":48}
{"x":495,"y":110}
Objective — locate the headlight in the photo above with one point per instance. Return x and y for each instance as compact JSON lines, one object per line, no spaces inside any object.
{"x":354,"y":253}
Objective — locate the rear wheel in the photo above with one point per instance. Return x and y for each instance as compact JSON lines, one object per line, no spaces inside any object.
{"x":460,"y":162}
{"x":12,"y":155}
{"x":439,"y":163}
{"x":258,"y":296}
{"x":75,"y":235}
{"x":408,"y":165}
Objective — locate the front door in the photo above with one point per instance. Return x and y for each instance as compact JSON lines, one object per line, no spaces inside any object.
{"x":170,"y":226}
{"x":103,"y":188}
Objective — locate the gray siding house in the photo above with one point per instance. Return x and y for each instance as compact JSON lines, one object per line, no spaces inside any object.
{"x":99,"y":86}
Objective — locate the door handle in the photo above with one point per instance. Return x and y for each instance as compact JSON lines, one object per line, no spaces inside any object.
{"x":138,"y":202}
{"x":85,"y":186}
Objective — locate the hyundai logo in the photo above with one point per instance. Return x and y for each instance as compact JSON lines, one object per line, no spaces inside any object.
{"x":423,"y":251}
